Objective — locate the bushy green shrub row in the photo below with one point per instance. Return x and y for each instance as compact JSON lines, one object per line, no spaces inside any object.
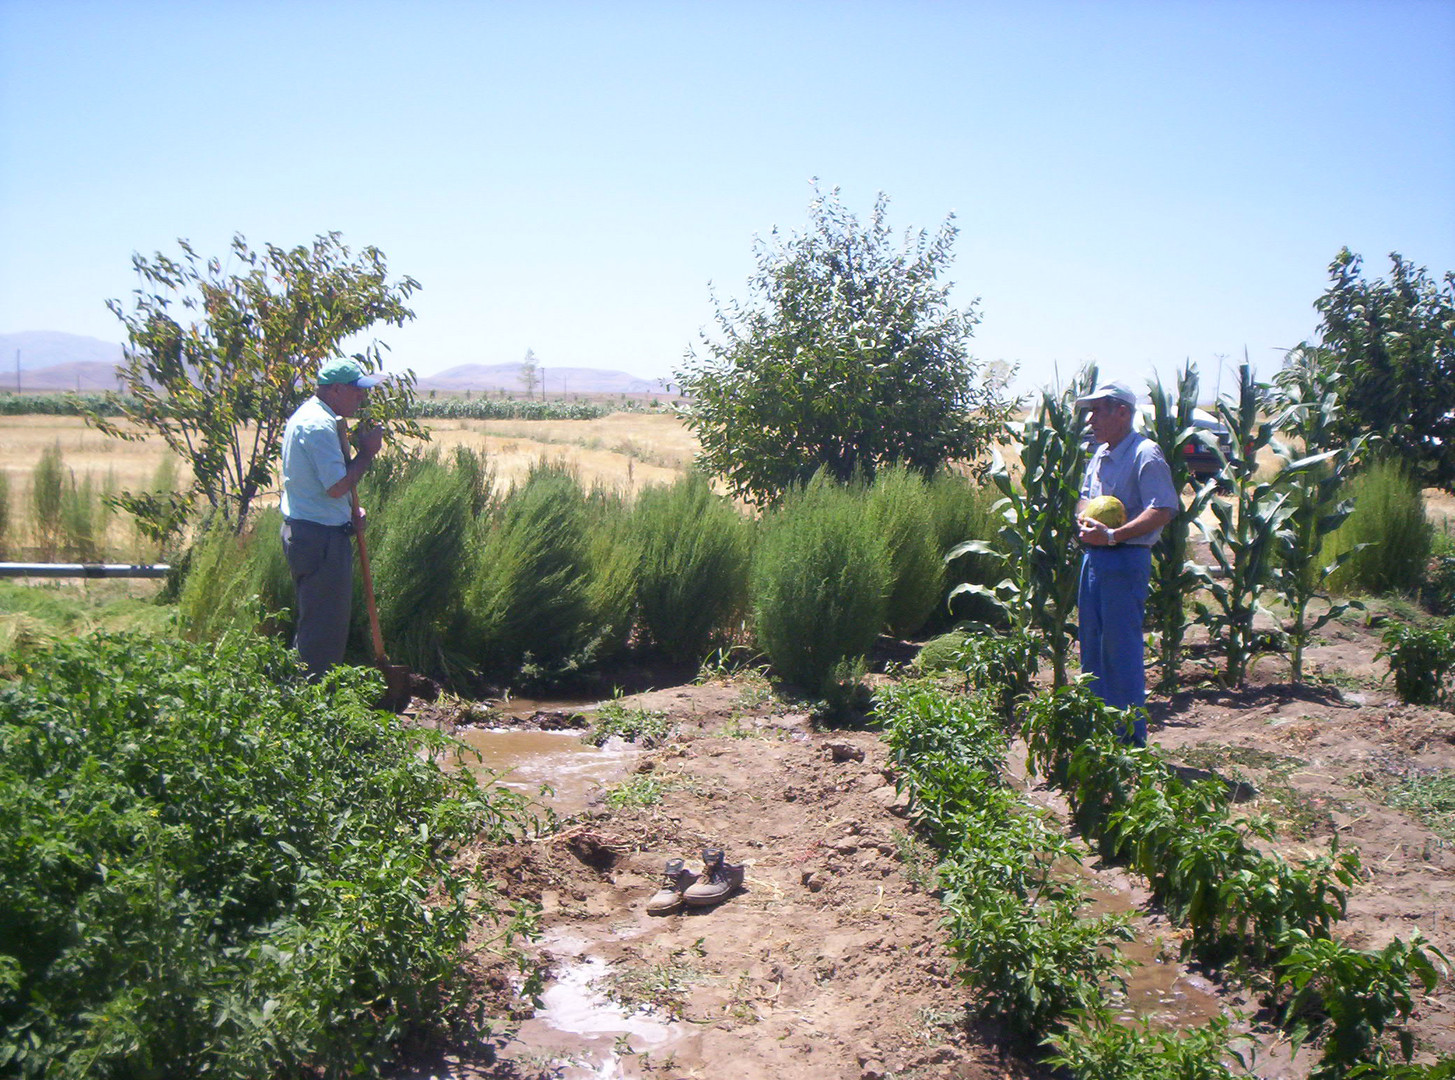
{"x":1016,"y":920}
{"x":213,"y":868}
{"x":57,"y":405}
{"x":549,"y":577}
{"x":1201,"y":862}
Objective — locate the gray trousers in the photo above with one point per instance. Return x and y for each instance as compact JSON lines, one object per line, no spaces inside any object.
{"x":321,"y":559}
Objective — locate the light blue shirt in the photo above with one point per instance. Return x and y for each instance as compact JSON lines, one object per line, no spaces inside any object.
{"x":1137,"y":474}
{"x":313,"y":462}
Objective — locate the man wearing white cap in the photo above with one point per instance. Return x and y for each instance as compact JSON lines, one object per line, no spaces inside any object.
{"x":317,"y":517}
{"x":1117,"y":565}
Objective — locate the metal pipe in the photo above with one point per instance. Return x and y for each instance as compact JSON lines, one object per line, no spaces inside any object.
{"x":83,"y":570}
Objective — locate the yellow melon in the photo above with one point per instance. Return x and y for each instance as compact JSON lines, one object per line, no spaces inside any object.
{"x":1107,"y":509}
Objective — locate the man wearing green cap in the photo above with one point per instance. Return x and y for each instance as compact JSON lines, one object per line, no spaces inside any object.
{"x":318,"y":519}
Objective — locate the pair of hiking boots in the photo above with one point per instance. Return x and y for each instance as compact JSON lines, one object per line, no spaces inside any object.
{"x":718,"y":881}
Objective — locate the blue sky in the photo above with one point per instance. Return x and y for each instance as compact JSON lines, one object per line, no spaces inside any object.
{"x":1134,"y":183}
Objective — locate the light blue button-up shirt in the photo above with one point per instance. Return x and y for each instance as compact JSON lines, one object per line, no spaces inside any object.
{"x":1137,"y":474}
{"x":313,"y":462}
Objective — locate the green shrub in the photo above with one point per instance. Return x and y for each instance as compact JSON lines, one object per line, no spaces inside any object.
{"x":901,"y":508}
{"x":820,"y":582}
{"x":226,"y":571}
{"x":528,"y":603}
{"x":82,"y":520}
{"x":962,"y":510}
{"x":47,"y":496}
{"x":1421,"y":660}
{"x":1389,"y":516}
{"x":1097,"y":1047}
{"x":209,"y":867}
{"x":4,"y":514}
{"x":419,"y":560}
{"x":614,"y":555}
{"x":692,"y":580}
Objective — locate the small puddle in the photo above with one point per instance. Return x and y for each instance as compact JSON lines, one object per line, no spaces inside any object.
{"x":582,"y":1031}
{"x":526,"y":760}
{"x":1159,"y":989}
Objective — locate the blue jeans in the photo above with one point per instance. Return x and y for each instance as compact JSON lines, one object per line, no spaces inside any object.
{"x":1110,"y":606}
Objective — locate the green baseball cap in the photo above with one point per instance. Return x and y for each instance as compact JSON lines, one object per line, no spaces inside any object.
{"x":346,"y":371}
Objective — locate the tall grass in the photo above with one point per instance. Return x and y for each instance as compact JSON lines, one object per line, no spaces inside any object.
{"x":420,"y":559}
{"x":1389,"y":516}
{"x":692,"y":581}
{"x":613,"y":553}
{"x":900,"y":505}
{"x":237,"y":581}
{"x":4,"y":515}
{"x":47,"y":496}
{"x":820,"y":584}
{"x":529,"y":604}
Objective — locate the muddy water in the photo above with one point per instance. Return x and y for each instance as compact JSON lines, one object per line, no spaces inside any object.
{"x":528,"y":760}
{"x":581,"y":1030}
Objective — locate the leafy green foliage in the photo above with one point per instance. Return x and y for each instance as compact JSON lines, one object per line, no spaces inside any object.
{"x":1350,"y":998}
{"x":1422,"y":659}
{"x":1039,"y":529}
{"x":1000,"y":666}
{"x":209,"y":866}
{"x":1317,"y":487}
{"x":47,"y":495}
{"x":1017,"y":928}
{"x":614,"y":556}
{"x":237,"y":581}
{"x":420,"y":552}
{"x":964,"y":509}
{"x":820,"y":582}
{"x":528,"y":600}
{"x":1382,"y":547}
{"x":1096,"y":1047}
{"x":1173,"y":582}
{"x":848,"y":358}
{"x":646,"y":727}
{"x":898,"y":501}
{"x":1244,"y":536}
{"x":692,"y":580}
{"x":1392,"y":344}
{"x":483,"y":408}
{"x":218,"y":390}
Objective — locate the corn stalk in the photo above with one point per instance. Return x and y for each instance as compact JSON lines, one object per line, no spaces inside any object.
{"x":1244,"y":534}
{"x":1308,"y":392}
{"x":1043,"y":567}
{"x":1174,"y":577}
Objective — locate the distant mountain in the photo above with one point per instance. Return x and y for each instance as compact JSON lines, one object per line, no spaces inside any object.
{"x":50,"y":348}
{"x":558,"y":380}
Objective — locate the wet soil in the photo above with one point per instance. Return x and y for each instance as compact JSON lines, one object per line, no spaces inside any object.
{"x":830,"y":961}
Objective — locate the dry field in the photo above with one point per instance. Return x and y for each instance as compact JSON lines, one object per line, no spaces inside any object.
{"x":623,"y":451}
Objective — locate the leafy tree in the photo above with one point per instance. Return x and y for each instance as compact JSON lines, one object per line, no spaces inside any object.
{"x":218,"y":359}
{"x":1393,"y":344}
{"x":849,"y":357}
{"x":530,"y":373}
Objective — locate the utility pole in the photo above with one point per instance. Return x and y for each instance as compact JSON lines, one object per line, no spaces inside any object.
{"x":17,"y":371}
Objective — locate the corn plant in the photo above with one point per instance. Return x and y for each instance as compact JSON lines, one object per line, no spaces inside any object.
{"x":1039,"y":533}
{"x":1350,"y":998}
{"x":1173,"y":580}
{"x":1245,"y":532}
{"x":1309,"y":399}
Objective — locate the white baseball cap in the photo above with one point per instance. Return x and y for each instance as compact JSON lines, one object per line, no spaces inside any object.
{"x":1113,"y":391}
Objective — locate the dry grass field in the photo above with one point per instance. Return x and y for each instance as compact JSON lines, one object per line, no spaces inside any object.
{"x":621,"y":452}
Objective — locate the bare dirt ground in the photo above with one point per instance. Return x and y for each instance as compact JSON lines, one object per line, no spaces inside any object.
{"x":831,"y":963}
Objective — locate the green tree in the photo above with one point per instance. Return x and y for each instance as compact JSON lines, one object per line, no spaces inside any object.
{"x":848,"y":357}
{"x":1393,"y":345}
{"x":218,"y":359}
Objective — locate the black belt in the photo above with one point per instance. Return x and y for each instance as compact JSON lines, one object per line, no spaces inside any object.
{"x":347,"y":528}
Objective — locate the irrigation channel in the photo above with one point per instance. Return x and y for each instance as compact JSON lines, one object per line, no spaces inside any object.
{"x":626,"y":989}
